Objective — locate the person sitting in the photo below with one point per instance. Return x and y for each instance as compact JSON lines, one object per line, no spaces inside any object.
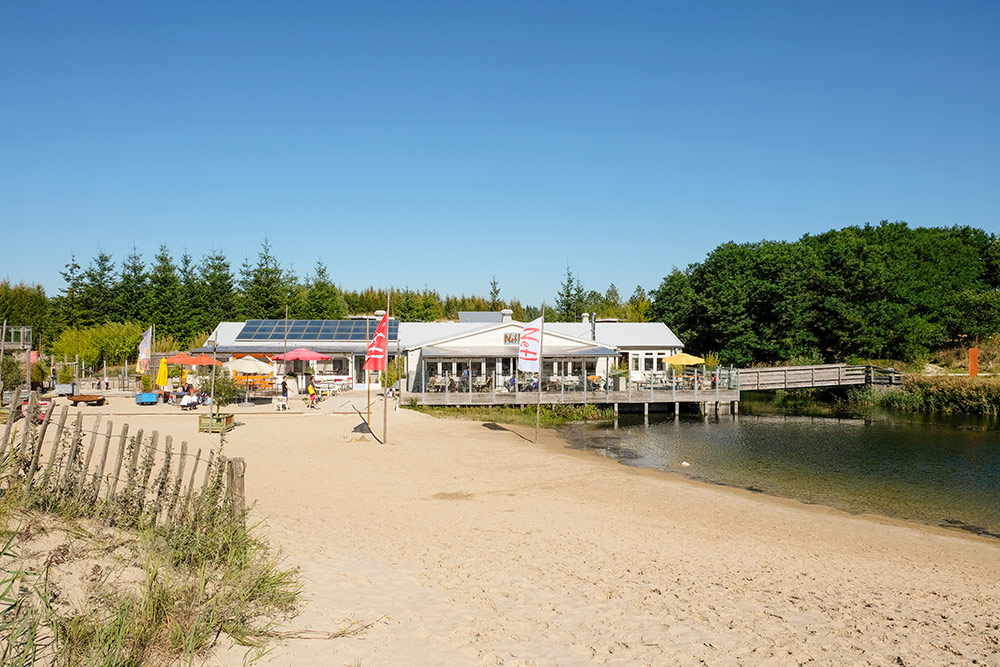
{"x":189,"y":402}
{"x":488,"y":385}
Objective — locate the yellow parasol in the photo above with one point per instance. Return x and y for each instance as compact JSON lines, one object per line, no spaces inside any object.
{"x":161,"y":375}
{"x":683,"y":359}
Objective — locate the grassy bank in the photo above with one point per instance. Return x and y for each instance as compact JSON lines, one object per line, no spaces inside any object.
{"x":949,"y":395}
{"x":77,"y":590}
{"x":552,"y":415}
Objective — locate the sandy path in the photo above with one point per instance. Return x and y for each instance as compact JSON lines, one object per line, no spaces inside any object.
{"x":475,"y":546}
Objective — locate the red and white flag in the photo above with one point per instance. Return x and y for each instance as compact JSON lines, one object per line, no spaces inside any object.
{"x":378,"y":347}
{"x":531,"y":347}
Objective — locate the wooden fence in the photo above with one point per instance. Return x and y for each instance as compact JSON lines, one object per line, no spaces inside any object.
{"x":120,"y":475}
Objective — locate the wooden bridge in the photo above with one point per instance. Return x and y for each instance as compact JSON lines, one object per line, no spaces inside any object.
{"x":721,"y":391}
{"x":808,"y":377}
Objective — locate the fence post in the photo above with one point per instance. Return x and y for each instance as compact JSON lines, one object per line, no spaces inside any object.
{"x":90,"y":453}
{"x":116,"y":471}
{"x":36,"y":452}
{"x":133,"y":463}
{"x":73,"y":445}
{"x":29,"y":417}
{"x":177,"y":482}
{"x":96,"y":483}
{"x":55,"y":443}
{"x":235,"y":482}
{"x":14,"y":399}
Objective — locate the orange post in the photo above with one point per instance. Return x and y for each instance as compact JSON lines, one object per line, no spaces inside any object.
{"x":973,"y":362}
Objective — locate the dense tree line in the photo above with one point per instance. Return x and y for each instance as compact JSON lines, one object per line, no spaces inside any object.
{"x":878,"y":292}
{"x":186,"y":298}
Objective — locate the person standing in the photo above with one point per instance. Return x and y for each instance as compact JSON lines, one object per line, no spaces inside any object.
{"x":311,"y":388}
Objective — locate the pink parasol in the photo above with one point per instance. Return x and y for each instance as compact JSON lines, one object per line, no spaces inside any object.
{"x":301,"y":354}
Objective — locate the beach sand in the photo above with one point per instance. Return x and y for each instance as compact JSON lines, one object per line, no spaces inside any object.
{"x":463,"y":543}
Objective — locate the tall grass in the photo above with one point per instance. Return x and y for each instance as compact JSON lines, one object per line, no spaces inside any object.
{"x":206,"y":573}
{"x":551,"y":415}
{"x":951,"y":395}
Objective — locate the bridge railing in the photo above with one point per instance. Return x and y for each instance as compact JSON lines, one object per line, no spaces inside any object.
{"x":823,"y":375}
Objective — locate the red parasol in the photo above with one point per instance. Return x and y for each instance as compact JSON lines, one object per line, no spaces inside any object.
{"x":183,"y":358}
{"x":301,"y":354}
{"x":205,"y":360}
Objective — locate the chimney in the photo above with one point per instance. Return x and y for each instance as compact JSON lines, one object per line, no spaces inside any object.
{"x":505,"y":315}
{"x":586,"y":318}
{"x":593,"y":329}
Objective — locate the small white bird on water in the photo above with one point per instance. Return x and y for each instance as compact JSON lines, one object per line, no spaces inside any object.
{"x":685,"y":464}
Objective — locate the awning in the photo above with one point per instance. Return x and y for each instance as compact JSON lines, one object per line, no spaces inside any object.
{"x":510,"y":352}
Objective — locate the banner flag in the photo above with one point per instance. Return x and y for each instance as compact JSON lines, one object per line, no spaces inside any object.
{"x":376,"y":356}
{"x":142,"y":365}
{"x":531,"y":346}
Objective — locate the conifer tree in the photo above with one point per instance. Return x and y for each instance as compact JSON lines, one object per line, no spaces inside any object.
{"x":165,"y":295}
{"x":132,"y":292}
{"x":98,"y":290}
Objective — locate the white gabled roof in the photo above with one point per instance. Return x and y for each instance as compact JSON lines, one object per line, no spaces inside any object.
{"x":458,"y":333}
{"x":623,"y":335}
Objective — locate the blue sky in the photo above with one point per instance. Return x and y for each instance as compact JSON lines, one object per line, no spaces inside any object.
{"x":439,"y":144}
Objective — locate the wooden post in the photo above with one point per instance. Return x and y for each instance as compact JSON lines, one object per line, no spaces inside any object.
{"x":150,"y":453}
{"x":96,"y":483}
{"x":28,"y":416}
{"x":161,"y":488}
{"x":178,"y":481}
{"x":73,"y":446}
{"x":55,"y":443}
{"x":645,"y":414}
{"x":133,"y":463}
{"x":116,"y":471}
{"x":235,"y":484}
{"x":90,"y":453}
{"x":208,"y":472}
{"x":190,"y":487}
{"x":39,"y":441}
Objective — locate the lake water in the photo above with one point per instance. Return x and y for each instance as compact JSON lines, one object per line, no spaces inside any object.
{"x":940,"y":471}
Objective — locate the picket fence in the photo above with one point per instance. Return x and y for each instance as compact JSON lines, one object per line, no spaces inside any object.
{"x":127,"y":475}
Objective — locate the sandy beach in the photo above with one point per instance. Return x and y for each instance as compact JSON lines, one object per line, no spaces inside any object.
{"x":464,"y":543}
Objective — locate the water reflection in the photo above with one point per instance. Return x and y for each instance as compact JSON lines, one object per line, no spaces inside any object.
{"x":940,"y":471}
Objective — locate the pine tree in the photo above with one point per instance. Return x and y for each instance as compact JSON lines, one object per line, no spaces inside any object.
{"x":217,"y":291}
{"x":165,"y":295}
{"x":71,"y":306}
{"x":323,"y":300}
{"x":570,"y":300}
{"x":264,"y":286}
{"x":132,"y":292}
{"x":98,"y":291}
{"x":495,"y":302}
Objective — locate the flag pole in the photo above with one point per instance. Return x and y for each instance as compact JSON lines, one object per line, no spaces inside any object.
{"x":385,"y":373}
{"x":368,"y":377}
{"x":541,"y":342}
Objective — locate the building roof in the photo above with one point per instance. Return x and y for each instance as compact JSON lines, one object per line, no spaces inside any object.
{"x":622,"y":336}
{"x":480,"y":316}
{"x":628,"y":335}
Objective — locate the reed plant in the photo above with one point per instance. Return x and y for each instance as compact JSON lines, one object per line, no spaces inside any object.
{"x":944,"y":394}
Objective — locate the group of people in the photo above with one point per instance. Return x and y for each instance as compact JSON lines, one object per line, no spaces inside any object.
{"x":187,"y":397}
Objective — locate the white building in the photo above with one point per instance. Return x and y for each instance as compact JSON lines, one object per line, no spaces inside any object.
{"x":477,"y":353}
